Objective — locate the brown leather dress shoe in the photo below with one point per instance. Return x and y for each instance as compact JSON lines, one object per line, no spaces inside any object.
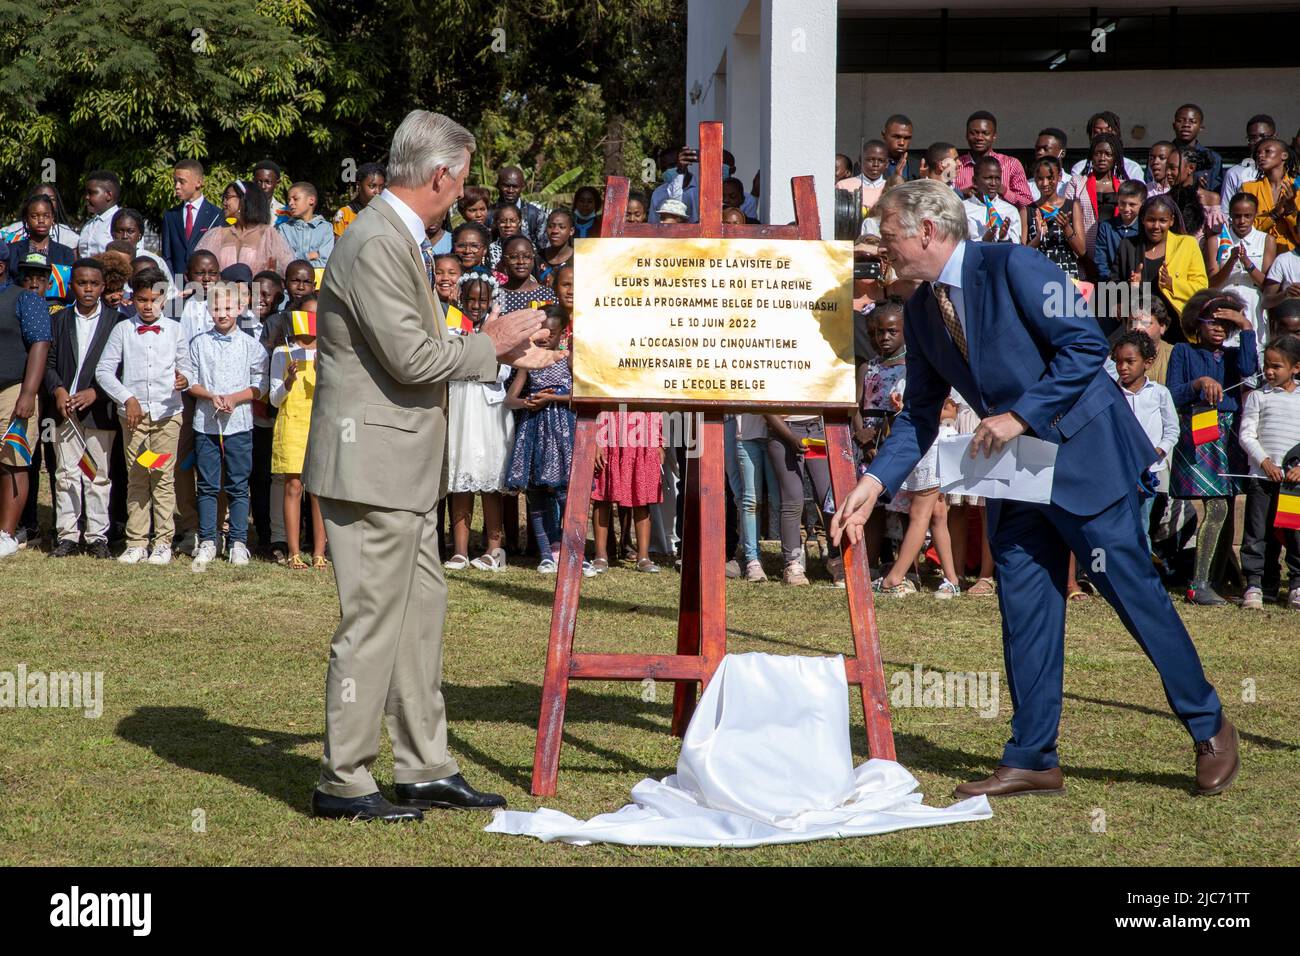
{"x":1217,"y":761}
{"x":1012,"y":782}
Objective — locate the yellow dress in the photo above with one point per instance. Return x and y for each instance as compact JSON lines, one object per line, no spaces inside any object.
{"x":289,"y":443}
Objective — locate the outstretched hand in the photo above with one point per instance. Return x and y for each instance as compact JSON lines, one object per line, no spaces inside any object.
{"x":851,"y":516}
{"x":519,"y":338}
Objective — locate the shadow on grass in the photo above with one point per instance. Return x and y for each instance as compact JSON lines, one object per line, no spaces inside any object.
{"x":264,"y":760}
{"x":252,"y":757}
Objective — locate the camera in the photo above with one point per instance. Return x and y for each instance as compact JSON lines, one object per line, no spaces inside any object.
{"x":868,"y":267}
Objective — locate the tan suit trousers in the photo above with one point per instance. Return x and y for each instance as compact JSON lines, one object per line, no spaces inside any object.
{"x":386,"y":656}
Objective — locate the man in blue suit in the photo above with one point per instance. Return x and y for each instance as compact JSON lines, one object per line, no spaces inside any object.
{"x":1006,"y":328}
{"x":186,"y":224}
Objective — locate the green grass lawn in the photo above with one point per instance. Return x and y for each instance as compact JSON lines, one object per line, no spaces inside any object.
{"x":213,"y":711}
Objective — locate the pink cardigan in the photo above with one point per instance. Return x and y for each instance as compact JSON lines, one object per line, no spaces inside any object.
{"x":258,"y":247}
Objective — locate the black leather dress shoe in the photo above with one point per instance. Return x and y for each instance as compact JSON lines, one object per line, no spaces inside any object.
{"x":372,"y":806}
{"x":449,"y":793}
{"x":99,"y":549}
{"x":65,"y":549}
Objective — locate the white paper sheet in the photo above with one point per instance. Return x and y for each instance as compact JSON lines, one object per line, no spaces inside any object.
{"x":766,"y":759}
{"x":1022,"y":471}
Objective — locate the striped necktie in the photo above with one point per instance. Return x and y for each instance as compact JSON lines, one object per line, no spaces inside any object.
{"x":950,"y":321}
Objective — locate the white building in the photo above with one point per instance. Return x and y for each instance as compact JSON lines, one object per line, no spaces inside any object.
{"x":796,"y":81}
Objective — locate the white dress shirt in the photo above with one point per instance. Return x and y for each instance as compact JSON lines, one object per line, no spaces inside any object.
{"x":413,"y":223}
{"x":84,"y":330}
{"x":1154,"y":407}
{"x":97,"y":232}
{"x":951,"y":277}
{"x":977,"y":218}
{"x":149,"y":363}
{"x":1233,"y":177}
{"x":224,"y":363}
{"x":195,"y":318}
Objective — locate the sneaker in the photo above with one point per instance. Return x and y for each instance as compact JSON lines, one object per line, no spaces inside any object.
{"x":754,"y":572}
{"x":1200,"y":592}
{"x":547,"y":566}
{"x":8,"y":545}
{"x":793,"y":574}
{"x":65,"y":549}
{"x":836,"y":568}
{"x":99,"y":550}
{"x":204,"y":555}
{"x":1293,"y":599}
{"x":947,"y":590}
{"x":187,"y":544}
{"x":589,"y":570}
{"x":161,"y":554}
{"x":1253,"y":599}
{"x":133,"y":555}
{"x":238,"y":554}
{"x":901,"y":589}
{"x":733,"y":569}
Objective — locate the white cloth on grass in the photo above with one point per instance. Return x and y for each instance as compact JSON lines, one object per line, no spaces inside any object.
{"x":766,"y":759}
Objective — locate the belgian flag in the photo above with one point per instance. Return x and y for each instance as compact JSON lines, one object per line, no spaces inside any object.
{"x":1205,"y":424}
{"x":1288,"y":496}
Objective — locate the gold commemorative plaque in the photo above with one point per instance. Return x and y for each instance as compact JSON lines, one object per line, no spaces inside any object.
{"x":744,"y":321}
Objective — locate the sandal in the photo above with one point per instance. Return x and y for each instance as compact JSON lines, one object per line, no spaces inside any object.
{"x":320,"y":563}
{"x":647,"y":567}
{"x":1077,"y":593}
{"x":984,"y":587}
{"x":458,"y":562}
{"x":902,"y":589}
{"x":296,"y":563}
{"x":600,"y":565}
{"x":494,"y":560}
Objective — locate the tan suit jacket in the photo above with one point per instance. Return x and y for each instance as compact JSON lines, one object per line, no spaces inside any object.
{"x":384,"y":356}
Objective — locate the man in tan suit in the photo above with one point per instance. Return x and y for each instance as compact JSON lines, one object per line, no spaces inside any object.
{"x":376,"y":460}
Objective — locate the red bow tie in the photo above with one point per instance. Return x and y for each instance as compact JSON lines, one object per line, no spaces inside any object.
{"x":142,"y":328}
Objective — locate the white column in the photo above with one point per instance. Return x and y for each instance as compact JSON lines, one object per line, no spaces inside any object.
{"x":744,"y":104}
{"x":797,"y":104}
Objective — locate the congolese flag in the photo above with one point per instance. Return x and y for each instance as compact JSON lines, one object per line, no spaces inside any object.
{"x":1205,"y":424}
{"x":15,"y":437}
{"x":60,"y":282}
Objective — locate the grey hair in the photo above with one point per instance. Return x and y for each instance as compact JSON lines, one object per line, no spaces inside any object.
{"x":423,"y":142}
{"x":925,"y":199}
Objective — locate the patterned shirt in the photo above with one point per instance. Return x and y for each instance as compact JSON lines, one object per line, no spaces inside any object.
{"x":34,"y":319}
{"x":222,"y":364}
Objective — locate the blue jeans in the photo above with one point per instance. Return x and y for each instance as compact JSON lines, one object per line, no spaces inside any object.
{"x":751,"y":465}
{"x":1147,"y":505}
{"x":238,"y":465}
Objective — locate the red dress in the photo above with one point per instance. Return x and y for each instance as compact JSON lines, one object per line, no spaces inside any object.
{"x":631,"y":442}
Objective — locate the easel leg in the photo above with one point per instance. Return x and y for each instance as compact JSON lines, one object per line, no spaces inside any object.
{"x":564,"y":613}
{"x":688,"y":614}
{"x":713,"y":576}
{"x":862,"y":609}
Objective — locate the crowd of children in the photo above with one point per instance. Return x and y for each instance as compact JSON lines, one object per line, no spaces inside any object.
{"x":178,"y":368}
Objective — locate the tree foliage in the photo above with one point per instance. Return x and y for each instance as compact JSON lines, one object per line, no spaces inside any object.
{"x":319,"y":86}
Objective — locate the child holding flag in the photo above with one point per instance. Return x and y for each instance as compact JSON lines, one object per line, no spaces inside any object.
{"x":229,"y":374}
{"x":155,"y":368}
{"x":990,"y":217}
{"x":24,"y":346}
{"x":1238,"y":258}
{"x":293,"y":383}
{"x":1270,"y":436}
{"x":1203,"y":379}
{"x":86,"y":431}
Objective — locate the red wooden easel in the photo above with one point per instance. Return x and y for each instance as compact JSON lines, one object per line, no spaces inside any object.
{"x":701,"y":621}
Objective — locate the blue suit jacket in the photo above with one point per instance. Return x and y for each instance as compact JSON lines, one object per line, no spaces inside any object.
{"x":176,"y":251}
{"x":1024,"y":358}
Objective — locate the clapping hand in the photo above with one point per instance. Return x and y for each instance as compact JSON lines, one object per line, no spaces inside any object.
{"x":1166,"y":280}
{"x":520,"y":338}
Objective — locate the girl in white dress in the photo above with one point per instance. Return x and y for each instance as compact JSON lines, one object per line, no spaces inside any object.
{"x":1237,"y":259}
{"x":480,"y":433}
